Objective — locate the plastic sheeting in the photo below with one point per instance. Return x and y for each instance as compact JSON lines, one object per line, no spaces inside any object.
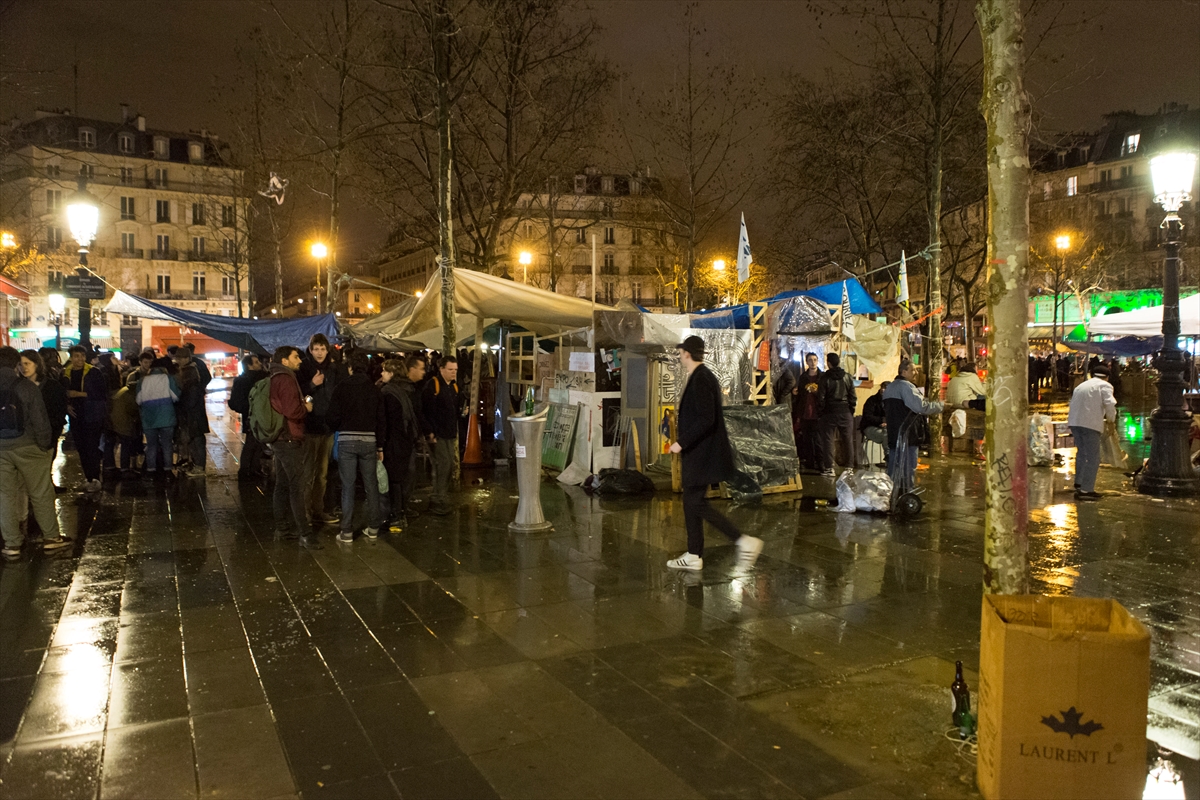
{"x":727,"y":354}
{"x":1040,"y":450}
{"x":798,"y":315}
{"x":864,"y":490}
{"x":877,"y":345}
{"x":764,"y":448}
{"x":1148,"y":321}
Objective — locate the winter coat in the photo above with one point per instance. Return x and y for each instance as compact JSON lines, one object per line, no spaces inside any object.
{"x":90,"y":411}
{"x":707,"y":455}
{"x":192,"y":417}
{"x":873,"y":415}
{"x":123,"y":412}
{"x":401,"y":424}
{"x":54,"y":395}
{"x":835,"y":392}
{"x":239,"y":393}
{"x":35,"y":424}
{"x":316,"y":423}
{"x":157,"y":394}
{"x":900,"y":403}
{"x":356,"y":407}
{"x":440,"y":404}
{"x":287,"y":400}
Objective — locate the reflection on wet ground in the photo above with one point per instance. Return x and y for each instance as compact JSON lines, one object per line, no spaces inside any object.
{"x":179,"y":651}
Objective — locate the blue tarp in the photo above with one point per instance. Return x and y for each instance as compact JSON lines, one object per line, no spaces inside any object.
{"x":260,"y":336}
{"x":1125,"y":347}
{"x":830,"y":294}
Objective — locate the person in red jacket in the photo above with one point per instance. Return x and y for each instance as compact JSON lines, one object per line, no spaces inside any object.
{"x":293,"y":476}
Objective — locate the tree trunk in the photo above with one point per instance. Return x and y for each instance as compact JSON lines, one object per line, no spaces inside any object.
{"x":441,"y":65}
{"x":1006,"y":108}
{"x":933,"y":295}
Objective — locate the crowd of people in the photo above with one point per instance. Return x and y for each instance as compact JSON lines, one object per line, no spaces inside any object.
{"x":145,"y":419}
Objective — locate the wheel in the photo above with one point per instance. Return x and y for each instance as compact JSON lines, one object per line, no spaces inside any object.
{"x":909,"y":505}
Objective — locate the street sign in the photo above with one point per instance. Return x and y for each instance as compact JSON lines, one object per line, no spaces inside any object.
{"x":83,"y":287}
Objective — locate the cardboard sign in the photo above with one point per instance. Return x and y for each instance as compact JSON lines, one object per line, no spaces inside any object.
{"x":582,"y":362}
{"x":1063,"y":689}
{"x":560,"y":432}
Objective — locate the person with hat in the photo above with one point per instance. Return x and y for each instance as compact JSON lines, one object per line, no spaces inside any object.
{"x":707,"y":459}
{"x":1092,"y":403}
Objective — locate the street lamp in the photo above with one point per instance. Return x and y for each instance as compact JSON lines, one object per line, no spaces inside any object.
{"x":319,"y":252}
{"x":83,"y":217}
{"x":8,"y":241}
{"x":1062,"y":243}
{"x":719,"y":265}
{"x":526,"y":258}
{"x":58,"y":304}
{"x":1168,"y":471}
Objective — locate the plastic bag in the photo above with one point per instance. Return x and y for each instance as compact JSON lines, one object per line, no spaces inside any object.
{"x":864,"y":490}
{"x":958,"y":424}
{"x":743,"y":489}
{"x":1111,"y":454}
{"x":1040,"y":451}
{"x":382,"y":477}
{"x":624,"y":482}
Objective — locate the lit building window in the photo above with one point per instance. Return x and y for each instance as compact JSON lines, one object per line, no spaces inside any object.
{"x":1072,"y":186}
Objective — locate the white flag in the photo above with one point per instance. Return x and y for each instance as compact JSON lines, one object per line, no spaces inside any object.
{"x":847,"y":323}
{"x":902,"y":289}
{"x":743,"y":262}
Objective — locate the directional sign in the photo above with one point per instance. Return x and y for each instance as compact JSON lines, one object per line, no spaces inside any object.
{"x":83,"y":287}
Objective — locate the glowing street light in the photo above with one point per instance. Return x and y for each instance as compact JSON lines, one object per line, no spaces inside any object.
{"x":83,"y":217}
{"x":319,"y":250}
{"x":419,"y":293}
{"x":8,"y":241}
{"x":1169,"y":471}
{"x":525,"y":259}
{"x":1062,"y":242}
{"x":719,"y":265}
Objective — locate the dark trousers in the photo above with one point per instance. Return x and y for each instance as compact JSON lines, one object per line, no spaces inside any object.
{"x":401,"y":480}
{"x":252,"y":450}
{"x":87,"y":444}
{"x":831,"y":425}
{"x":808,"y":444}
{"x":293,"y":480}
{"x":444,"y":452}
{"x":697,"y":511}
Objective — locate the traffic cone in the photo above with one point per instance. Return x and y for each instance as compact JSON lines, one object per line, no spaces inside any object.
{"x":473,"y":455}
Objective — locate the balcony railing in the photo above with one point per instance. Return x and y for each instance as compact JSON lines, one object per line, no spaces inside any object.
{"x":163,"y":255}
{"x":211,"y":294}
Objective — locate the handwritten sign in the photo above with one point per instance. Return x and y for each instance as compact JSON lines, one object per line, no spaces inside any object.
{"x":560,"y":433}
{"x":582,"y":362}
{"x":520,"y":451}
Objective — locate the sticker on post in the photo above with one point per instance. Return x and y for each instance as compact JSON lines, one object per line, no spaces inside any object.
{"x":520,"y":451}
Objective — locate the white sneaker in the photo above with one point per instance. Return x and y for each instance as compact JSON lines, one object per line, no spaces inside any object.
{"x":346,"y":537}
{"x":91,"y":486}
{"x":687,"y":561}
{"x":371,"y":533}
{"x":748,"y":549}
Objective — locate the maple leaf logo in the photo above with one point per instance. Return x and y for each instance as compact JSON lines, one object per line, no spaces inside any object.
{"x":1070,"y":723}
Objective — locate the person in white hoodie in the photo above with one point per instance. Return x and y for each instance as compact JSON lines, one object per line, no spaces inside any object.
{"x":1091,"y":404}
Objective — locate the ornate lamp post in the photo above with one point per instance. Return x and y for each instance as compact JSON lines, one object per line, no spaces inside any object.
{"x":58,"y":304}
{"x":1168,"y":472}
{"x":83,"y":217}
{"x":320,"y":252}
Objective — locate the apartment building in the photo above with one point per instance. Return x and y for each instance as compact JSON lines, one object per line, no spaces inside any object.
{"x":172,"y":220}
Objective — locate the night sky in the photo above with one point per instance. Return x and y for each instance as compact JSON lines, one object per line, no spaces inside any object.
{"x":168,"y":58}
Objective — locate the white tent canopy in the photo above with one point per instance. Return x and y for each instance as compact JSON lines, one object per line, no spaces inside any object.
{"x":1148,"y":321}
{"x":480,"y":296}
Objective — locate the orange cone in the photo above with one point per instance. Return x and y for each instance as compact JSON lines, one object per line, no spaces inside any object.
{"x":473,"y":455}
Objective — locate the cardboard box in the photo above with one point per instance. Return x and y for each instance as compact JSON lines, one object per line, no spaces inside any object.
{"x":1063,"y":688}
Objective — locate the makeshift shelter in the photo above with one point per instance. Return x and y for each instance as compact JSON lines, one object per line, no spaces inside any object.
{"x":1147,"y":322}
{"x":260,"y":336}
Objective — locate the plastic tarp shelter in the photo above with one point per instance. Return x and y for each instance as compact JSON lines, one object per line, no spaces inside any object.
{"x":479,"y":295}
{"x":374,"y":333}
{"x":1147,"y":322}
{"x":830,"y":294}
{"x":260,"y":336}
{"x":1125,"y":347}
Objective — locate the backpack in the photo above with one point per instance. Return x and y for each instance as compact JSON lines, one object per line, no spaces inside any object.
{"x":266,"y":423}
{"x":12,"y":416}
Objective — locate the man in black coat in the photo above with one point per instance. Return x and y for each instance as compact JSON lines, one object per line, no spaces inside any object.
{"x":441,"y":407}
{"x":707,"y":459}
{"x":836,"y":401}
{"x":239,"y":401}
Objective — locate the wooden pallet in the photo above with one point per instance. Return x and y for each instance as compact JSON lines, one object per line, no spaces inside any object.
{"x":793,"y":485}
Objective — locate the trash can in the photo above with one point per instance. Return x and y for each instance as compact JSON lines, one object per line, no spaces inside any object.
{"x":1063,"y":688}
{"x":527,"y":433}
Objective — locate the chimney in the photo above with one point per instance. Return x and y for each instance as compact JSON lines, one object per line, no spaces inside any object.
{"x":141,"y":123}
{"x":124,"y":113}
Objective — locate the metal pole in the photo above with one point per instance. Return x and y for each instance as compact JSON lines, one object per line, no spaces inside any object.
{"x":1168,"y":472}
{"x":85,"y":304}
{"x":592,"y":332}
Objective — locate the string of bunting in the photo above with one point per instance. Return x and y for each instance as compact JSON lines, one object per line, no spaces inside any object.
{"x":919,"y":320}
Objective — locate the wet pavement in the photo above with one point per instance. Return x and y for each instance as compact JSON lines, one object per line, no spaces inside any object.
{"x":179,"y":651}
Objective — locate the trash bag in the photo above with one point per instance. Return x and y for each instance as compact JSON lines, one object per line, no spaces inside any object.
{"x":624,"y":482}
{"x":1111,"y":453}
{"x":864,"y":490}
{"x":1040,"y":450}
{"x":958,"y":424}
{"x":381,"y":477}
{"x":743,"y":489}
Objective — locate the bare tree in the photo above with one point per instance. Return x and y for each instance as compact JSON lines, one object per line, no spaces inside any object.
{"x":691,"y":134}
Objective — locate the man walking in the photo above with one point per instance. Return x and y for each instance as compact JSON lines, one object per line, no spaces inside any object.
{"x":26,"y":456}
{"x":249,"y":468}
{"x":440,"y":406}
{"x":356,"y":413}
{"x":707,"y":459}
{"x":835,"y":398}
{"x":87,"y":407}
{"x":293,"y":477}
{"x":1092,"y":403}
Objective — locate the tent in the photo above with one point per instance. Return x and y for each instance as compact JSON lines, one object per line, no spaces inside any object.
{"x":1147,"y":322}
{"x":260,"y":336}
{"x":479,"y":295}
{"x":376,"y":333}
{"x":830,"y":294}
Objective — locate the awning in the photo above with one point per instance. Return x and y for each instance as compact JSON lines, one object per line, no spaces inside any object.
{"x":260,"y":336}
{"x":13,"y":289}
{"x":830,"y":294}
{"x":1148,"y":321}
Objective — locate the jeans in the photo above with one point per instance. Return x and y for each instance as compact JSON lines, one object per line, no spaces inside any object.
{"x":444,"y":453}
{"x":1087,"y":457}
{"x":318,"y":449}
{"x":293,"y":479}
{"x":252,"y":450}
{"x":28,"y":467}
{"x":357,"y":457}
{"x":159,"y":442}
{"x":831,"y":425}
{"x":696,"y":511}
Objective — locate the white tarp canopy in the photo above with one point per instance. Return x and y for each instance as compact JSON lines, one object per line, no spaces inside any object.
{"x":1148,"y":321}
{"x":479,"y":295}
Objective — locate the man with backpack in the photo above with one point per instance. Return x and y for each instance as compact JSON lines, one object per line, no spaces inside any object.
{"x":239,"y":401}
{"x":836,"y":400}
{"x":156,"y":396}
{"x":277,"y":414}
{"x":26,"y":455}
